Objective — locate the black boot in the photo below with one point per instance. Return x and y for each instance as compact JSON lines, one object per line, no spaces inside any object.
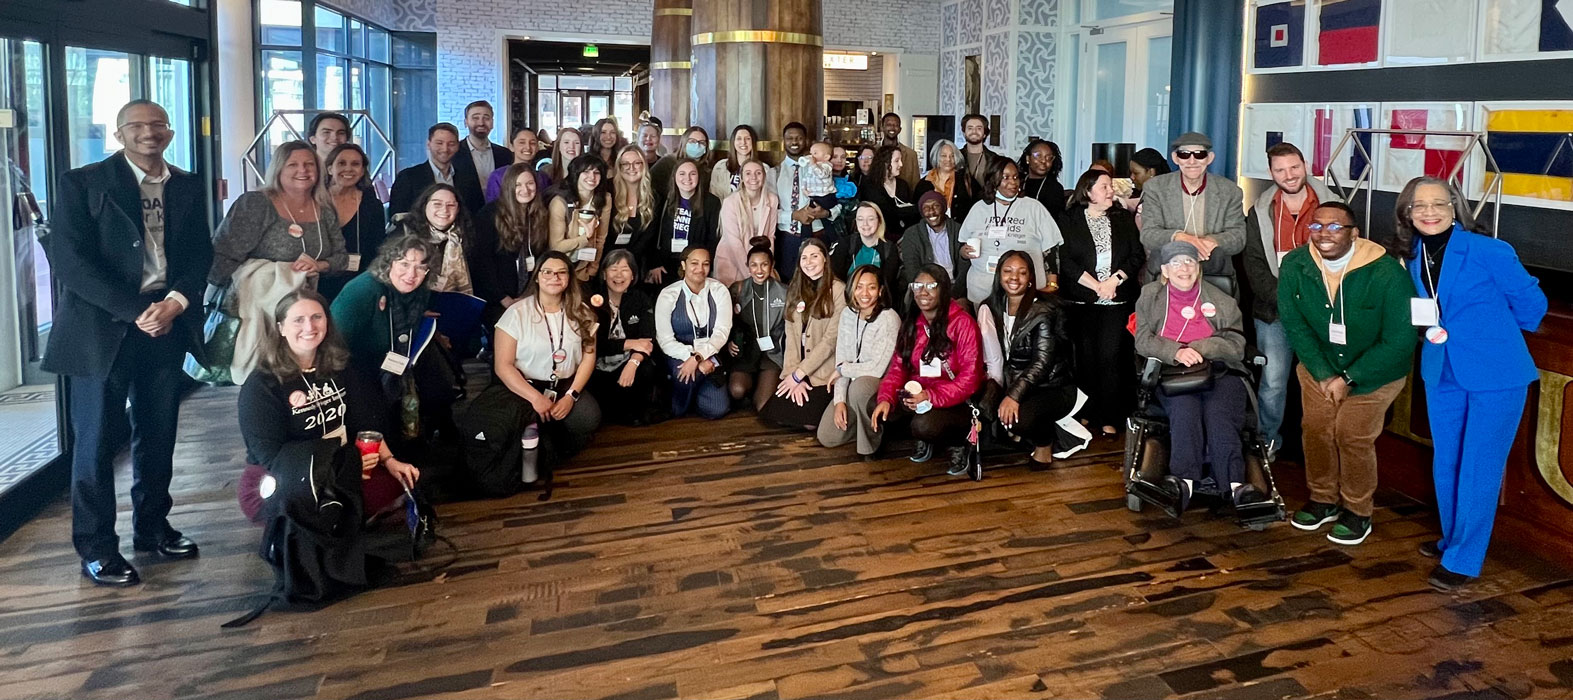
{"x":960,"y":460}
{"x":922,"y":452}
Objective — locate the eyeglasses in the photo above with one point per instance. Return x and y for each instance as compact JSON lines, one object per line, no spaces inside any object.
{"x":630,"y":164}
{"x":146,"y":126}
{"x":1423,"y":207}
{"x":553,"y":273}
{"x":1181,"y":261}
{"x":1041,"y":156}
{"x":1331,"y":228}
{"x":420,"y":268}
{"x":1190,"y":155}
{"x":924,"y":286}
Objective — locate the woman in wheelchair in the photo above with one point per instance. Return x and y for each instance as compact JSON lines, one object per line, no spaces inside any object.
{"x":1031,"y":388}
{"x":936,"y":369}
{"x":1195,"y":330}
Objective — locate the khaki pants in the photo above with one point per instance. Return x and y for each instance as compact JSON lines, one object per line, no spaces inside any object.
{"x":1340,"y":443}
{"x":860,"y":403}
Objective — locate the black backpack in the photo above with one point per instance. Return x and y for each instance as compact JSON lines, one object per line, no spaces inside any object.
{"x":492,"y":428}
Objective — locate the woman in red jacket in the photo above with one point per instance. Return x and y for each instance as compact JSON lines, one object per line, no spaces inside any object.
{"x":938,"y":365}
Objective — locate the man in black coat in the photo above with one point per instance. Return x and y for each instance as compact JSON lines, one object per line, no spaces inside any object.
{"x":442,"y":143}
{"x":477,"y":157}
{"x":131,"y":246}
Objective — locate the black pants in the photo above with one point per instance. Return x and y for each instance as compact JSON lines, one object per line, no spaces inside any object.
{"x":1039,"y":411}
{"x":625,"y":405}
{"x":941,"y":427}
{"x":1205,"y":428}
{"x":781,"y":410}
{"x":147,"y":371}
{"x":562,"y":439}
{"x":1105,"y":361}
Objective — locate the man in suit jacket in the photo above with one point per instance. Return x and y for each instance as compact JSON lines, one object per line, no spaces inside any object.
{"x":131,"y":246}
{"x":442,"y":142}
{"x":918,"y":246}
{"x":1193,"y":206}
{"x":477,"y":157}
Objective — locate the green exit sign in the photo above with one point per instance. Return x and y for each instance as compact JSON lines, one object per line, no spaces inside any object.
{"x":592,"y":51}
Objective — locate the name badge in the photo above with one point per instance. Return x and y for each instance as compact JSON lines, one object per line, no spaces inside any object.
{"x":997,"y":231}
{"x":1337,"y":333}
{"x":395,"y":363}
{"x":992,"y":262}
{"x":679,"y":244}
{"x":354,"y":263}
{"x":586,"y":255}
{"x":1424,"y":312}
{"x":766,"y":344}
{"x":624,"y":238}
{"x":1281,"y":255}
{"x":930,"y":369}
{"x":529,"y":263}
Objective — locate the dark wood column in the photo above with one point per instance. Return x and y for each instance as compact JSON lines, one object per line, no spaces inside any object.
{"x":669,"y":66}
{"x":758,"y":62}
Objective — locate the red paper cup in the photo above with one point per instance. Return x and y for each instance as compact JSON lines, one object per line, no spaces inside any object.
{"x":369,"y":442}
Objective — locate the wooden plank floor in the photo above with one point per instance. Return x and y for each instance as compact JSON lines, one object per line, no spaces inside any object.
{"x":729,"y":560}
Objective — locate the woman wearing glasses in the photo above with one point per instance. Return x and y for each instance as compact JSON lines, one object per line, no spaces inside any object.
{"x":633,"y":204}
{"x":1475,"y":300}
{"x":545,"y":354}
{"x":936,"y":368}
{"x":383,"y":317}
{"x":1040,"y":163}
{"x":814,"y":301}
{"x":1186,"y":322}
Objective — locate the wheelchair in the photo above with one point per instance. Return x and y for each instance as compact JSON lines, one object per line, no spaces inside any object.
{"x":1147,"y":458}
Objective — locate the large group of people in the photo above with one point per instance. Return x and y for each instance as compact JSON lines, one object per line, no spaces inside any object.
{"x":838,"y":291}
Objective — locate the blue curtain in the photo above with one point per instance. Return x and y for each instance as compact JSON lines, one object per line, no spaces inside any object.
{"x":1205,"y":75}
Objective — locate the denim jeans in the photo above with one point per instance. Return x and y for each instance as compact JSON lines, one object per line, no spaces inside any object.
{"x":1272,"y":342}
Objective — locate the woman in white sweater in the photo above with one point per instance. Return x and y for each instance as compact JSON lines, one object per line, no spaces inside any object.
{"x":865,"y":340}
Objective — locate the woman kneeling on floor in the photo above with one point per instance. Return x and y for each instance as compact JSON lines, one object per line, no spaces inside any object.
{"x":937,"y":367}
{"x":1031,"y":391}
{"x":545,"y":354}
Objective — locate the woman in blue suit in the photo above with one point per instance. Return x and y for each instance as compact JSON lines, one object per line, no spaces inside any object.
{"x":1475,"y":301}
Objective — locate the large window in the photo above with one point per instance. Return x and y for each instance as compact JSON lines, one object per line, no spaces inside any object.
{"x":575,"y":100}
{"x":313,"y":57}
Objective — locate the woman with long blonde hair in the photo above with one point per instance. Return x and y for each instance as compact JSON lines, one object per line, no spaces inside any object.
{"x":633,"y":202}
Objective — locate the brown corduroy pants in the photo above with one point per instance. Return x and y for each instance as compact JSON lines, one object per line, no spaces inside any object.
{"x":1340,"y":443}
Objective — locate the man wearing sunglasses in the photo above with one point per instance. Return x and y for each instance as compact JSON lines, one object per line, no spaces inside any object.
{"x":1278,"y":223}
{"x":1344,"y":305}
{"x":1197,"y":207}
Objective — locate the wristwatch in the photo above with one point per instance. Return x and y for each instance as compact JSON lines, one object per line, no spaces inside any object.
{"x":574,"y":394}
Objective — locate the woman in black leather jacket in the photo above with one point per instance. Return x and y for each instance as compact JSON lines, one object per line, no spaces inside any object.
{"x":1031,"y":392}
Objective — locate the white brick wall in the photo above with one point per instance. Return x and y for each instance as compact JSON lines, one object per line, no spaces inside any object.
{"x":470,"y":34}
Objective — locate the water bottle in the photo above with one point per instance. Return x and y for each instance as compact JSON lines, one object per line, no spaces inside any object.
{"x":530,"y":443}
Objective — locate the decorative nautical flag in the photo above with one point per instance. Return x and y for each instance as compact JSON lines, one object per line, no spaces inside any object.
{"x":1280,"y":34}
{"x":1408,"y":156}
{"x":1348,"y":31}
{"x":1533,"y":149}
{"x":1327,"y":131}
{"x":1429,"y":31}
{"x":1266,"y":125}
{"x":1528,"y":26}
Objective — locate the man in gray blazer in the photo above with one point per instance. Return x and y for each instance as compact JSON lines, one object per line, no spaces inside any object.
{"x":934,"y":239}
{"x":1197,"y":207}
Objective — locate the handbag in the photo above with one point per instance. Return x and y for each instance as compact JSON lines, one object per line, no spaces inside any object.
{"x":219,"y":330}
{"x":1179,"y":380}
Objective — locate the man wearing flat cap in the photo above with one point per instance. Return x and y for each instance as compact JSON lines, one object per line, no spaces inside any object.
{"x":1194,"y":206}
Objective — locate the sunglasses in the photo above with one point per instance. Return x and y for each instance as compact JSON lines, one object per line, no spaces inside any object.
{"x":1190,"y":155}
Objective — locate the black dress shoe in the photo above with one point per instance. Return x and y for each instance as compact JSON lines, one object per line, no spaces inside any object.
{"x":1431,"y":549}
{"x":110,"y":571}
{"x":173,"y":548}
{"x":1447,"y":581}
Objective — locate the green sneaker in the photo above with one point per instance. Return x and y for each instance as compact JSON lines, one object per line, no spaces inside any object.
{"x":1350,"y":530}
{"x":1314,"y":515}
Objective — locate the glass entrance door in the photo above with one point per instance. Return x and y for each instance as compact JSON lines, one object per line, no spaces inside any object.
{"x":1124,"y":86}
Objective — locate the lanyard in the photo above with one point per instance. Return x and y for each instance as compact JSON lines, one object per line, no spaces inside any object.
{"x":693,"y":317}
{"x":1278,"y":226}
{"x":862,"y":329}
{"x":391,"y":346}
{"x":1187,"y":323}
{"x":994,"y":208}
{"x":1339,"y":294}
{"x":1430,"y":283}
{"x":296,"y":224}
{"x":554,"y":341}
{"x":1039,"y":194}
{"x":764,"y":307}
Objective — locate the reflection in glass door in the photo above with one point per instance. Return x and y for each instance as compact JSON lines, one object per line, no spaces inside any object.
{"x":27,"y":398}
{"x":1124,"y":89}
{"x":98,"y":84}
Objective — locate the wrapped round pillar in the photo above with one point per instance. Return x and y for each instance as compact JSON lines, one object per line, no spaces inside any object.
{"x":670,"y":58}
{"x":758,"y":62}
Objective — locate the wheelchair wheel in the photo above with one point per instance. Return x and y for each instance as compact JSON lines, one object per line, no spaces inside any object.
{"x":1133,"y":503}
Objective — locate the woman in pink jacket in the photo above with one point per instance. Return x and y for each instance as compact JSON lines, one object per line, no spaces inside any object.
{"x":746,"y":215}
{"x":938,"y":365}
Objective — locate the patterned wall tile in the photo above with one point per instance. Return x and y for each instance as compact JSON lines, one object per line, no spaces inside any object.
{"x":996,"y":74}
{"x":950,"y":82}
{"x":949,"y":21}
{"x":998,"y":14}
{"x":1036,"y":62}
{"x":415,"y":15}
{"x":1042,"y":13}
{"x":971,"y":21}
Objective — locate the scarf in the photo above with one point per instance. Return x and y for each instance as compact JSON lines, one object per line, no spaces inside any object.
{"x":454,"y":274}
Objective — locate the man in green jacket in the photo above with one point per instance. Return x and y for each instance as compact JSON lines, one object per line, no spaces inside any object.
{"x":1344,"y":305}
